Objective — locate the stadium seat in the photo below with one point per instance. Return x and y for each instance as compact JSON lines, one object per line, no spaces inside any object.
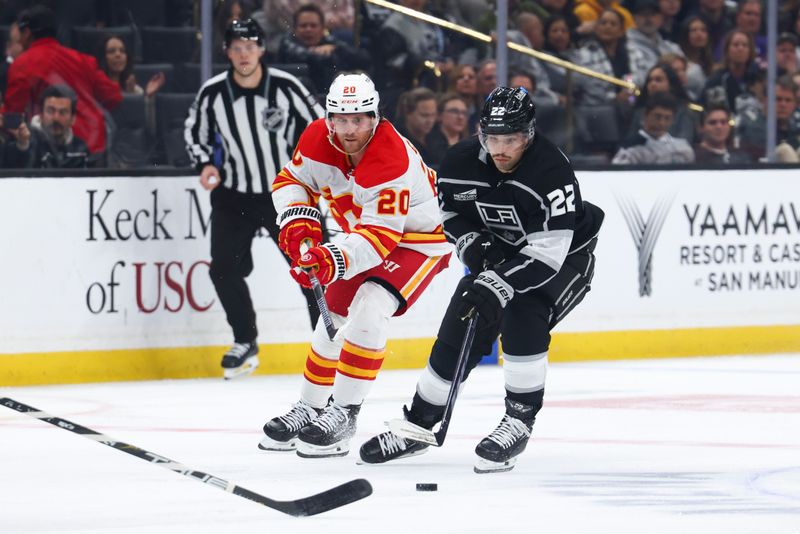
{"x":129,"y":140}
{"x":597,"y":129}
{"x":171,"y":112}
{"x":74,"y":13}
{"x":188,"y":76}
{"x":145,"y":71}
{"x":299,"y":70}
{"x":149,"y":13}
{"x":162,"y":44}
{"x":87,"y":39}
{"x":551,"y":121}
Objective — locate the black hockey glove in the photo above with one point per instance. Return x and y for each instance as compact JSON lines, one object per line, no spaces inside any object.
{"x":479,"y":251}
{"x":488,"y":295}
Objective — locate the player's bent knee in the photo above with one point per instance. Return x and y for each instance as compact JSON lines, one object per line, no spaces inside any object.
{"x":369,"y":315}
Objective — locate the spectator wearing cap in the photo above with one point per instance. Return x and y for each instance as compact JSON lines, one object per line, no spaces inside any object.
{"x":714,"y":147}
{"x":786,"y":54}
{"x":50,"y":141}
{"x":644,"y":42}
{"x":45,"y":62}
{"x":653,"y":145}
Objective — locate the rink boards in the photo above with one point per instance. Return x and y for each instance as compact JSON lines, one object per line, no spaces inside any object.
{"x":107,"y":278}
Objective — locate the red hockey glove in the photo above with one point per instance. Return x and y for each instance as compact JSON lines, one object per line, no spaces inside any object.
{"x":299,"y":224}
{"x":327,"y":261}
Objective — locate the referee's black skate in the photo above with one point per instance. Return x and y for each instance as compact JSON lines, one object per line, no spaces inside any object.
{"x":240,"y":360}
{"x":498,"y":451}
{"x":329,"y":434}
{"x":281,"y":432}
{"x":389,"y":446}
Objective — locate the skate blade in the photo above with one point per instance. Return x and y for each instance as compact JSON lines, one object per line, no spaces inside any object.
{"x":483,"y":466}
{"x":306,"y":450}
{"x":361,"y":461}
{"x":247,"y":368}
{"x":269,"y":444}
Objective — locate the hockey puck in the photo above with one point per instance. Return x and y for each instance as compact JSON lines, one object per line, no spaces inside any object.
{"x":427,"y":487}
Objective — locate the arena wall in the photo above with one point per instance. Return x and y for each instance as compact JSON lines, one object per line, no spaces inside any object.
{"x":106,"y":278}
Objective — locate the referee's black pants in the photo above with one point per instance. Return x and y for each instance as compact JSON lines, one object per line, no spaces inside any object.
{"x":235,"y":219}
{"x":525,"y":324}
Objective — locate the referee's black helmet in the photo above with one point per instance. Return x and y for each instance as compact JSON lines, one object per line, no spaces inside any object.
{"x":246,"y":29}
{"x":508,"y":110}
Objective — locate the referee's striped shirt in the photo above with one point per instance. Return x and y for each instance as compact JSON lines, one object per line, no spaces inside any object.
{"x":258,"y":127}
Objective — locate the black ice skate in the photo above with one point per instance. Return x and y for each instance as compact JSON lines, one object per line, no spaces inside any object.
{"x":240,"y":360}
{"x":329,"y":434}
{"x":498,"y":451}
{"x":389,"y":446}
{"x":281,"y":432}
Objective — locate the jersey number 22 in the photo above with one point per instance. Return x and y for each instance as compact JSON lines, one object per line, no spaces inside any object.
{"x":561,"y":203}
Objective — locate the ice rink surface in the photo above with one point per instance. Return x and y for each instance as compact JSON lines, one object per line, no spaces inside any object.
{"x":701,"y":445}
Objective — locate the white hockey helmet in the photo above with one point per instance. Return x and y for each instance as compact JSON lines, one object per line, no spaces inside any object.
{"x":352,"y":93}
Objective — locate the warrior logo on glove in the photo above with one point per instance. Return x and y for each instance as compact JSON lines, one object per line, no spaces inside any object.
{"x":299,"y":225}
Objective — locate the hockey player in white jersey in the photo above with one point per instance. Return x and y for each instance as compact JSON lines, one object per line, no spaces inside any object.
{"x":383,"y":196}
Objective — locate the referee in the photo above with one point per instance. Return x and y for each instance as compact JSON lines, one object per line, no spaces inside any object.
{"x":255,"y":114}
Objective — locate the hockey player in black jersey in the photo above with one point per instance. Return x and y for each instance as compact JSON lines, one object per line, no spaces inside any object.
{"x":513,"y":208}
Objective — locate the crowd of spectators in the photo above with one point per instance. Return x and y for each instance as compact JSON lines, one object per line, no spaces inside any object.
{"x":88,"y":83}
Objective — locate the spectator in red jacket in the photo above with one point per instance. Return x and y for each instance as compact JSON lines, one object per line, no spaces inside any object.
{"x":45,"y":62}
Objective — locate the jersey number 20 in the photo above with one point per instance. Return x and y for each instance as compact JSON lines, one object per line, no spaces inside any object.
{"x":390,"y":202}
{"x":561,"y":203}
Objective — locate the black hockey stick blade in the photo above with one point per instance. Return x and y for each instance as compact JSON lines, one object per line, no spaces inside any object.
{"x":409,"y":430}
{"x":341,"y":495}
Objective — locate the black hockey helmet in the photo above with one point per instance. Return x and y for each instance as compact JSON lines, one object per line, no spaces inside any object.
{"x":246,"y":29}
{"x":508,"y":110}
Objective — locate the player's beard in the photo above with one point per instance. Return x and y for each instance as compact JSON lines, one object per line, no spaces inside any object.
{"x":504,"y":162}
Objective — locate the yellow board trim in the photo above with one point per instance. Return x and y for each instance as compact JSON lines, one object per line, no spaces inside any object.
{"x":289,"y":358}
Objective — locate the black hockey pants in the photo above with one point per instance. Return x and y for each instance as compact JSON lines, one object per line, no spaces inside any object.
{"x":526,"y":321}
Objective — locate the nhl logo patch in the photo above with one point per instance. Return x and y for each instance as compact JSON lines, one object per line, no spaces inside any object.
{"x":272,"y":119}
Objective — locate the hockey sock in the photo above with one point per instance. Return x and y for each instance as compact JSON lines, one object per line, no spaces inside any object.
{"x":356,"y":372}
{"x":321,"y":362}
{"x":364,"y":347}
{"x":525,"y":376}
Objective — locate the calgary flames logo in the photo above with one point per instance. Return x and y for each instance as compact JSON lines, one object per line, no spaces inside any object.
{"x":297,"y":158}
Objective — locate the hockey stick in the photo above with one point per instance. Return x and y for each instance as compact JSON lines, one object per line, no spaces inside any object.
{"x":408,"y":430}
{"x":346,"y":493}
{"x":319,"y":295}
{"x":324,"y":312}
